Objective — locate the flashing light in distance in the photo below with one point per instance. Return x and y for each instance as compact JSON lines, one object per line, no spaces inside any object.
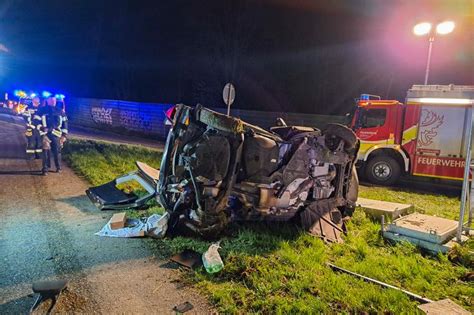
{"x":421,"y":29}
{"x":445,"y":27}
{"x":60,"y":97}
{"x":33,"y":95}
{"x":20,"y":93}
{"x":46,"y":94}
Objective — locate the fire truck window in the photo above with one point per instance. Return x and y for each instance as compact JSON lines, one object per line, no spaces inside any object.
{"x":373,"y":118}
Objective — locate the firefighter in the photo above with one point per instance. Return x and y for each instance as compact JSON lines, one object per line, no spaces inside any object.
{"x":33,"y":126}
{"x":54,"y":126}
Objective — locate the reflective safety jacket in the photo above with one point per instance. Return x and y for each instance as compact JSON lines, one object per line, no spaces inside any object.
{"x":33,"y":118}
{"x":54,"y":121}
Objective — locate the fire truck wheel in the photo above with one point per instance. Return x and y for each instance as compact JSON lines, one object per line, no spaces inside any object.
{"x":382,"y":170}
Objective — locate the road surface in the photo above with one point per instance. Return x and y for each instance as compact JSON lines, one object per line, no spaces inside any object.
{"x":47,"y":232}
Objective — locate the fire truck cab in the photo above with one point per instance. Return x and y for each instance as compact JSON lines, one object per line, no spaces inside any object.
{"x":425,"y":136}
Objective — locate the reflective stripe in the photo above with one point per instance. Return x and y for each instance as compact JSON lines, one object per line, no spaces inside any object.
{"x":30,"y":151}
{"x":56,"y":132}
{"x":43,"y":118}
{"x":38,"y":127}
{"x":64,"y":131}
{"x":37,"y":117}
{"x":409,"y":134}
{"x":38,"y":150}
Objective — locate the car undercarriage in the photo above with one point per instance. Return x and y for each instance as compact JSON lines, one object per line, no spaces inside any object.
{"x":217,"y":169}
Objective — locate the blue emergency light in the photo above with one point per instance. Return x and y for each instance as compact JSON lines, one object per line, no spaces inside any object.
{"x":46,"y":94}
{"x":20,"y":93}
{"x":32,"y":95}
{"x":60,"y":96}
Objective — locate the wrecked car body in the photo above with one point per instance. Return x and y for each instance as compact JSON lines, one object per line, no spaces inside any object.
{"x":217,"y":168}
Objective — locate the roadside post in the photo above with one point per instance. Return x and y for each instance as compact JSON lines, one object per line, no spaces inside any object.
{"x":228,"y":94}
{"x":466,"y":197}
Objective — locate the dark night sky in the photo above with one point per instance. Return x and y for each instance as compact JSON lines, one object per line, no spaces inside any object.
{"x":293,"y":55}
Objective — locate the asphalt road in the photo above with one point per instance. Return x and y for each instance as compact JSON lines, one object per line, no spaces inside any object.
{"x":47,"y":232}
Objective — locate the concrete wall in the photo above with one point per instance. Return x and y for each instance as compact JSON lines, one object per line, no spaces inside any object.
{"x":146,"y":119}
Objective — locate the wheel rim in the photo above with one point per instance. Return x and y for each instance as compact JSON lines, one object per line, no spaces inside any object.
{"x":382,"y":170}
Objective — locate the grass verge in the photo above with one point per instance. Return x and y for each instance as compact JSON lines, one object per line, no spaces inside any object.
{"x":280,"y":269}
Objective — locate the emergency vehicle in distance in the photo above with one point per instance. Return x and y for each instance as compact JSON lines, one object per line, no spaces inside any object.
{"x":423,"y":137}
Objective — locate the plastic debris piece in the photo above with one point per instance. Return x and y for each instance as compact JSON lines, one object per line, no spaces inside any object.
{"x":211,"y":259}
{"x":156,"y":225}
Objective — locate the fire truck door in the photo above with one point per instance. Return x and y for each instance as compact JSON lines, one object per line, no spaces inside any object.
{"x":374,"y":128}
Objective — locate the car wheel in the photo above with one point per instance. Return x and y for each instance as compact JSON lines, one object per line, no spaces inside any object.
{"x":341,"y":131}
{"x":382,"y":170}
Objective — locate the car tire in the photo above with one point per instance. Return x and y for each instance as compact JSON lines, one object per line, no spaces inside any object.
{"x":341,"y":131}
{"x":382,"y":170}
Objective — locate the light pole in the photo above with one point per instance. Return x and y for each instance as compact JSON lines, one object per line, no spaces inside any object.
{"x":425,"y":28}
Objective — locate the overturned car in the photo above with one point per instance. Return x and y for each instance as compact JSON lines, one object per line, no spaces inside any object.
{"x":217,"y":169}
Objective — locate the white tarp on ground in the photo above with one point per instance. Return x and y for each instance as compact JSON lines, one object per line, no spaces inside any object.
{"x":154,"y":226}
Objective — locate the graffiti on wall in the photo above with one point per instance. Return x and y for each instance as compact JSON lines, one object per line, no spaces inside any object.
{"x":101,"y":115}
{"x":135,"y":120}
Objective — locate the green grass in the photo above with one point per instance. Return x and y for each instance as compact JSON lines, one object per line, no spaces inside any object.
{"x":280,"y":269}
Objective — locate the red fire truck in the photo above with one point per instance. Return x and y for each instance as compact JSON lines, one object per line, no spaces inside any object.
{"x":426,"y":136}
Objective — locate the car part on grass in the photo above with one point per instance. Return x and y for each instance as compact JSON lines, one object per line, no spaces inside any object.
{"x":109,"y":197}
{"x":183,"y":307}
{"x":217,"y":168}
{"x":47,"y":290}
{"x":428,"y":306}
{"x":411,"y":295}
{"x":443,"y":307}
{"x":188,"y":258}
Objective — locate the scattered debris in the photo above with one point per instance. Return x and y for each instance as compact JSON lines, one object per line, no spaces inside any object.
{"x":443,"y":307}
{"x":429,"y":232}
{"x":118,"y":221}
{"x":183,"y":308}
{"x":383,"y":284}
{"x":133,"y":228}
{"x":212,"y":260}
{"x":47,"y":290}
{"x":109,"y":197}
{"x":188,"y":258}
{"x":377,"y":208}
{"x":154,"y":226}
